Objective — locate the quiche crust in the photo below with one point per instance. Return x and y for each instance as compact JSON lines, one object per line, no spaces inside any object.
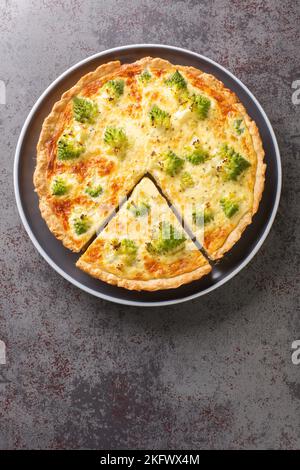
{"x":149,"y":285}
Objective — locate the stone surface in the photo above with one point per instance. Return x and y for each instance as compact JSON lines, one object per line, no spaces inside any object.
{"x":212,"y":373}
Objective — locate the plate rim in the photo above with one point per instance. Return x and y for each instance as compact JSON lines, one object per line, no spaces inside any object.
{"x":101,"y":295}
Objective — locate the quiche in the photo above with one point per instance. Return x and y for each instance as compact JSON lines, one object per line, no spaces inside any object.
{"x":174,"y":123}
{"x":144,"y":246}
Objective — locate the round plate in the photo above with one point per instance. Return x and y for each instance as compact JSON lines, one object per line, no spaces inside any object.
{"x":63,"y":261}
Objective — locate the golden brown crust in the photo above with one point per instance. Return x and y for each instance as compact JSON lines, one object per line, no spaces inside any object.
{"x":149,"y":285}
{"x":260,"y":165}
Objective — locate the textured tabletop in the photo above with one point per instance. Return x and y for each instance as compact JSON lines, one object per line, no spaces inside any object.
{"x":215,"y":372}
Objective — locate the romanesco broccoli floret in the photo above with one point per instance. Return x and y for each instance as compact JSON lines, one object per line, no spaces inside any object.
{"x":145,"y":77}
{"x":200,"y":105}
{"x":201,"y":217}
{"x":171,"y":163}
{"x":114,"y":89}
{"x":85,"y":111}
{"x":233,"y":163}
{"x":238,"y":126}
{"x":68,"y":147}
{"x":176,"y":81}
{"x":159,"y":117}
{"x":116,"y":139}
{"x":94,"y":191}
{"x":186,"y":181}
{"x":126,"y":248}
{"x":59,"y":187}
{"x":230,"y":206}
{"x":169,"y":240}
{"x":138,"y":210}
{"x":179,"y":86}
{"x":196,"y":154}
{"x":82,"y":224}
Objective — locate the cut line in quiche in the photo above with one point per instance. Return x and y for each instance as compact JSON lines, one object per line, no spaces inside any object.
{"x":176,"y":123}
{"x":144,"y":246}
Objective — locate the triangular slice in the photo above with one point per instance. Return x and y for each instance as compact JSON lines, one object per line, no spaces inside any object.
{"x":144,"y":246}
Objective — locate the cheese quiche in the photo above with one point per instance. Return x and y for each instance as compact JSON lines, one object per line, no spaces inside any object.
{"x":175,"y":123}
{"x":144,"y":246}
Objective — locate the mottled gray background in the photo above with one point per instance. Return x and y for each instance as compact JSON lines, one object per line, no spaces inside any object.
{"x":212,"y":373}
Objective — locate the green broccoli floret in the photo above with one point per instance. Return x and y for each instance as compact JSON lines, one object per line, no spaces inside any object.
{"x":229,"y":206}
{"x":82,"y":224}
{"x":85,"y":111}
{"x":114,"y":89}
{"x":59,"y":187}
{"x":201,"y":218}
{"x":116,"y":139}
{"x":196,"y":154}
{"x":94,"y":191}
{"x":126,"y":248}
{"x":159,"y":118}
{"x":68,"y":148}
{"x":179,"y":86}
{"x":233,"y":163}
{"x":138,"y":210}
{"x":171,"y":163}
{"x":238,"y":126}
{"x":145,"y":77}
{"x":186,"y":181}
{"x":169,"y":240}
{"x":200,"y":105}
{"x":176,"y":81}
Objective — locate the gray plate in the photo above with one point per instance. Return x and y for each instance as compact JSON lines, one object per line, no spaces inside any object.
{"x":63,"y":261}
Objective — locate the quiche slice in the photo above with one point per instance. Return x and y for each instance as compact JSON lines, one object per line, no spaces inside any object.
{"x":144,"y":246}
